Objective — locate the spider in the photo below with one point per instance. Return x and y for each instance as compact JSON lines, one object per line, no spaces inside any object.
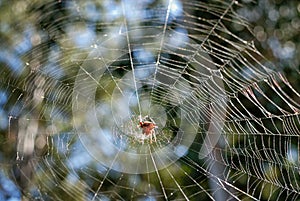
{"x":148,"y":127}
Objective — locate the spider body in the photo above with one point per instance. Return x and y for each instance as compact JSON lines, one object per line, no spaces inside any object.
{"x":148,"y":127}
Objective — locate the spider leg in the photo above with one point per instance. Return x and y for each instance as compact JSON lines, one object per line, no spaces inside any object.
{"x":150,"y":138}
{"x":154,"y":135}
{"x":140,"y":118}
{"x":142,"y":140}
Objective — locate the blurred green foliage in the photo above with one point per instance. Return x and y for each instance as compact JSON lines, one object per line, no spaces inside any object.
{"x":37,"y":36}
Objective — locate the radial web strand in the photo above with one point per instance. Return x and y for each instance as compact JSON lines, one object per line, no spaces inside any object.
{"x":148,"y":100}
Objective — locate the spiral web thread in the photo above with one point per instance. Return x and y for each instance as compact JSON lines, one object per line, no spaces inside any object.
{"x":180,"y":63}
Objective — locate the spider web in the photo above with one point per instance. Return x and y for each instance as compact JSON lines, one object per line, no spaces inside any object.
{"x":227,"y":120}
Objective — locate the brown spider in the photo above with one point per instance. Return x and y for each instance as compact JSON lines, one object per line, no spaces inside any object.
{"x":148,"y":127}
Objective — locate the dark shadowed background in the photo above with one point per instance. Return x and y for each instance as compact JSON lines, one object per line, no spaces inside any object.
{"x":220,"y":79}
